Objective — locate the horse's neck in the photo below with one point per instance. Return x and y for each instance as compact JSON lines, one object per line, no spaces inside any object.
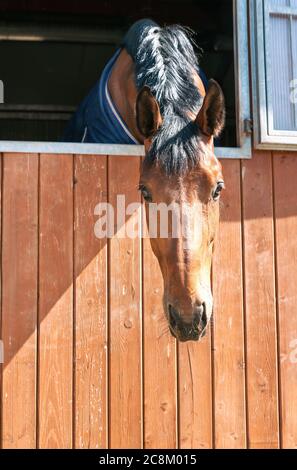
{"x":122,"y":88}
{"x":123,"y":91}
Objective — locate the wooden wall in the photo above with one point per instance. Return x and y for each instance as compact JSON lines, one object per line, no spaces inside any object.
{"x":89,"y":362}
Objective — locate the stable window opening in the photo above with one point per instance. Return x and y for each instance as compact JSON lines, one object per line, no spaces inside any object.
{"x":53,"y":53}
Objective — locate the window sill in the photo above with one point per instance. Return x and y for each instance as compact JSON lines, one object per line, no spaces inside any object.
{"x":106,"y":149}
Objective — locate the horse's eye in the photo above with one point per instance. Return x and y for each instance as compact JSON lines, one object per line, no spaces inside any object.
{"x":145,"y":194}
{"x":216,"y":193}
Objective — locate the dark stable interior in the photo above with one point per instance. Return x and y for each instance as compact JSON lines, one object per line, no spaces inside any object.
{"x":52,"y":52}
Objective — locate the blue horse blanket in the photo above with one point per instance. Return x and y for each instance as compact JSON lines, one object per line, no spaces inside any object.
{"x":97,"y":119}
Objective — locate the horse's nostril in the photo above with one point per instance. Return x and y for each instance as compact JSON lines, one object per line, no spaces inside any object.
{"x":204,"y":317}
{"x":200,"y":317}
{"x":174,"y":317}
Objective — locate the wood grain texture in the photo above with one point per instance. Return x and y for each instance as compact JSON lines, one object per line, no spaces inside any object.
{"x":229,"y":359}
{"x":160,"y":374}
{"x":126,"y":383}
{"x":90,"y":258}
{"x":19,"y":303}
{"x":260,"y":305}
{"x":56,"y":301}
{"x":195,"y":394}
{"x":125,"y":310}
{"x":285,"y":171}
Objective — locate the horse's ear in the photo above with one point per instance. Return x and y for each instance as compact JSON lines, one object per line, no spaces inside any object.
{"x":211,"y":117}
{"x":148,"y":116}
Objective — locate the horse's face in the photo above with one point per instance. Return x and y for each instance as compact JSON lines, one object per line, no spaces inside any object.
{"x":184,"y":251}
{"x":183,"y":241}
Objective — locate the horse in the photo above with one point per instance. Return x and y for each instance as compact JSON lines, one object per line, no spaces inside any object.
{"x":152,"y":92}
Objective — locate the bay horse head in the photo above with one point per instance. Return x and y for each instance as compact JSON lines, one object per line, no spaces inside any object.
{"x":180,"y":171}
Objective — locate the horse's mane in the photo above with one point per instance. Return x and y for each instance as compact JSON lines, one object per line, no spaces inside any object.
{"x":166,"y":61}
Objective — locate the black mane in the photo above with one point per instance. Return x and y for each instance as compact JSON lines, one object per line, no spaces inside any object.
{"x":165,"y":61}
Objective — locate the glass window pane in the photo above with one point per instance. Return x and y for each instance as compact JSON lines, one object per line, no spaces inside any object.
{"x":294,"y":54}
{"x":285,"y":3}
{"x":294,"y":45}
{"x":279,"y":83}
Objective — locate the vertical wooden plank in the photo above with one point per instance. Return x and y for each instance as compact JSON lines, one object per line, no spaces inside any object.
{"x":1,"y":346}
{"x":55,"y":301}
{"x":19,"y":315}
{"x":195,"y":394}
{"x":124,"y":304}
{"x":159,"y":365}
{"x":260,"y":315}
{"x":229,"y":358}
{"x":90,"y":257}
{"x":285,"y":171}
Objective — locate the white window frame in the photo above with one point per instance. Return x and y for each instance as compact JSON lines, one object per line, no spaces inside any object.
{"x":265,"y":136}
{"x":243,"y":112}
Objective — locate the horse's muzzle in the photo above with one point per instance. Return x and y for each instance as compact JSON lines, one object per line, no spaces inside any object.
{"x":189,"y":329}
